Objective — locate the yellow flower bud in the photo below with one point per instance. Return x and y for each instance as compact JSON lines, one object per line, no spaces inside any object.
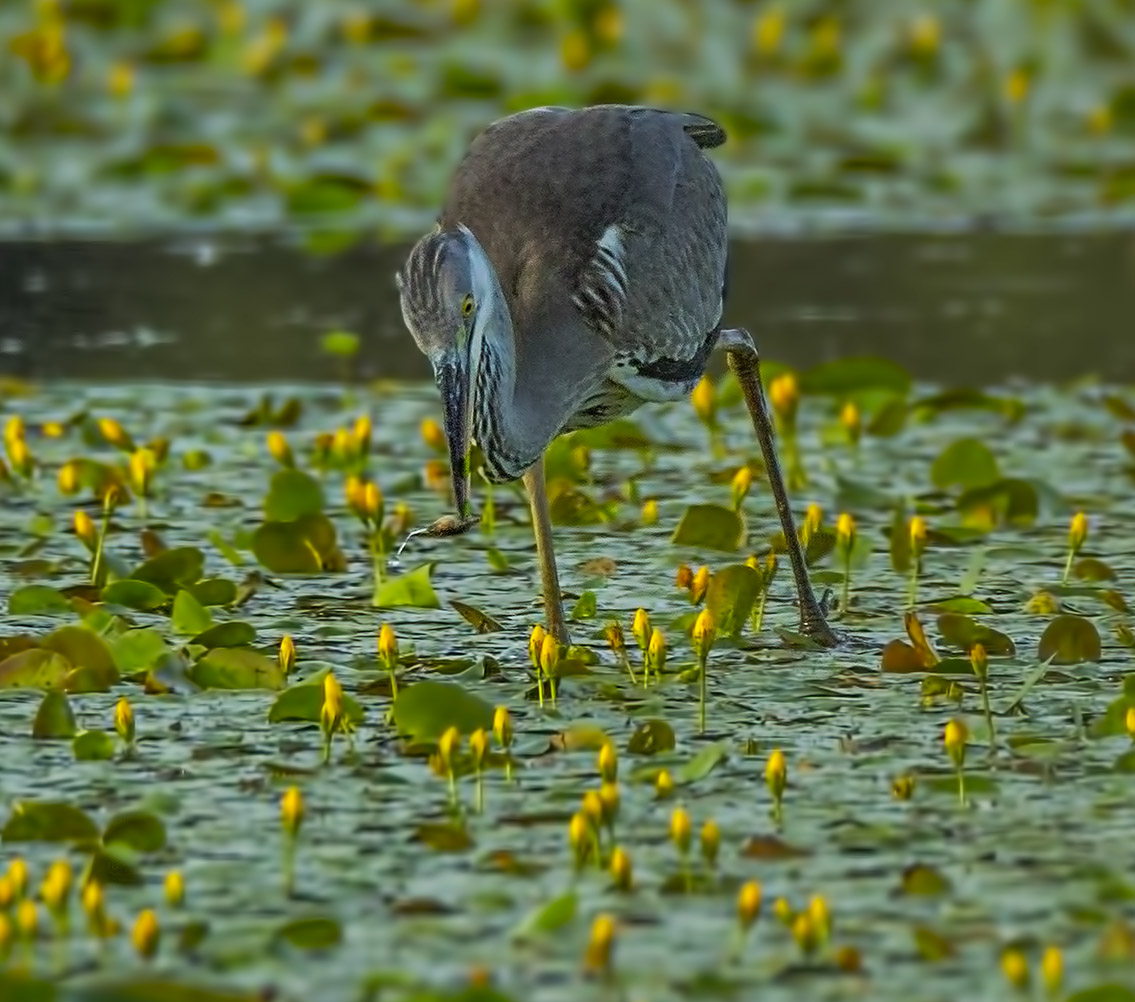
{"x":85,"y":530}
{"x":903,"y":787}
{"x":549,"y":656}
{"x":710,"y":838}
{"x":1129,"y":722}
{"x":845,"y":531}
{"x":955,"y":737}
{"x":115,"y":434}
{"x":821,"y":917}
{"x":649,"y":511}
{"x":748,"y":903}
{"x":354,"y":490}
{"x":120,"y":79}
{"x":804,"y":932}
{"x":146,"y":934}
{"x":502,"y":726}
{"x":592,"y":808}
{"x":7,"y":934}
{"x":784,"y":395}
{"x":622,"y":871}
{"x":124,"y":719}
{"x":433,"y":435}
{"x":684,"y":579}
{"x":1017,"y":86}
{"x":700,"y":585}
{"x":287,"y":656}
{"x":536,"y":644}
{"x":1078,"y":531}
{"x":331,"y":715}
{"x":1016,"y":968}
{"x":69,"y":478}
{"x":742,"y":482}
{"x":656,"y":652}
{"x":291,"y":811}
{"x":768,"y":31}
{"x":579,"y":836}
{"x":92,"y":898}
{"x":175,"y":888}
{"x":362,"y":432}
{"x":776,"y":773}
{"x":704,"y":400}
{"x":479,"y":747}
{"x":613,"y":632}
{"x":601,"y":945}
{"x":14,"y":429}
{"x":57,"y":886}
{"x":27,"y":919}
{"x":21,"y":457}
{"x":608,"y":763}
{"x":447,"y":746}
{"x":813,"y":520}
{"x":681,"y":829}
{"x":388,"y":647}
{"x":1100,"y":120}
{"x":979,"y":660}
{"x":142,"y":465}
{"x":705,"y":632}
{"x":373,"y":504}
{"x":918,"y":535}
{"x":342,"y":444}
{"x":610,"y":798}
{"x":279,"y":449}
{"x":663,"y":784}
{"x":925,"y":35}
{"x":18,"y":875}
{"x":7,"y":893}
{"x":1052,"y":969}
{"x":640,"y":628}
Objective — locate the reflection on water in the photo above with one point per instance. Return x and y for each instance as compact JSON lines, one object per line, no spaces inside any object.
{"x":958,"y":309}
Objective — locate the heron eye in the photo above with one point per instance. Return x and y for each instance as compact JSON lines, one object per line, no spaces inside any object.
{"x":467,"y":306}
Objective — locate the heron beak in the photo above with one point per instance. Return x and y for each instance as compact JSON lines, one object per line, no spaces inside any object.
{"x":452,"y":376}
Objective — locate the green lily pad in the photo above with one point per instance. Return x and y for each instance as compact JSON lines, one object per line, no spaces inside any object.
{"x":730,"y":597}
{"x":214,"y":591}
{"x":1069,"y":640}
{"x":962,"y":631}
{"x":86,"y":651}
{"x":93,"y":746}
{"x":54,"y":719}
{"x":134,"y":594}
{"x":410,"y":589}
{"x":1091,"y":569}
{"x":189,"y":616}
{"x":173,"y":569}
{"x":550,"y":917}
{"x":236,"y":668}
{"x":344,"y":344}
{"x":702,"y":764}
{"x":34,"y":669}
{"x":924,"y":881}
{"x":966,"y":463}
{"x":304,"y":702}
{"x":137,"y":650}
{"x":481,"y":622}
{"x":652,"y":737}
{"x":292,"y":494}
{"x":303,"y":546}
{"x":140,"y":831}
{"x":710,"y":527}
{"x":234,"y":633}
{"x":314,"y":933}
{"x":38,"y":600}
{"x":1011,"y":500}
{"x":109,"y":866}
{"x":587,"y":607}
{"x":424,"y":710}
{"x":48,"y":821}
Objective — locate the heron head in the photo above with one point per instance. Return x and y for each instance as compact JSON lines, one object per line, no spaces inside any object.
{"x":448,"y":295}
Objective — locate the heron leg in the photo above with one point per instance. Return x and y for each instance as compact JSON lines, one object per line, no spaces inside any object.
{"x":542,"y":529}
{"x":744,"y":360}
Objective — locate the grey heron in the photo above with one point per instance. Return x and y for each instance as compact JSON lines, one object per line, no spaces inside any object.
{"x":576,"y":272}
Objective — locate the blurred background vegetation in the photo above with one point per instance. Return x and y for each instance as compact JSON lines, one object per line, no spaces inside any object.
{"x":343,"y":118}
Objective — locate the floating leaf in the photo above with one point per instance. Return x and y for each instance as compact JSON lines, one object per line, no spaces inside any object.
{"x":444,"y":837}
{"x":137,"y":830}
{"x":48,"y":821}
{"x":889,"y":419}
{"x":932,"y":946}
{"x":1103,"y":993}
{"x":292,"y":494}
{"x":966,"y":463}
{"x":214,"y":591}
{"x":86,"y":651}
{"x":410,"y":589}
{"x":730,"y":597}
{"x":38,"y":600}
{"x":1069,"y":640}
{"x":1091,"y":569}
{"x":702,"y":764}
{"x":651,"y":737}
{"x":711,"y":527}
{"x":305,"y":702}
{"x":93,"y":746}
{"x":481,"y":622}
{"x":964,"y":632}
{"x":137,"y":650}
{"x":900,"y":541}
{"x":173,"y":569}
{"x":236,"y":668}
{"x":304,"y":546}
{"x":924,"y":881}
{"x":344,"y":344}
{"x":54,"y":719}
{"x":34,"y":669}
{"x":189,"y":616}
{"x":108,"y":866}
{"x":315,"y":933}
{"x":131,"y":593}
{"x":550,"y":917}
{"x":963,"y":604}
{"x":585,"y":608}
{"x":424,"y":710}
{"x":899,"y":656}
{"x":234,"y":633}
{"x":1013,"y":501}
{"x":770,"y":848}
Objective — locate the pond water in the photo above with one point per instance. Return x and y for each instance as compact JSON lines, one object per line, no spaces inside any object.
{"x":183,"y":344}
